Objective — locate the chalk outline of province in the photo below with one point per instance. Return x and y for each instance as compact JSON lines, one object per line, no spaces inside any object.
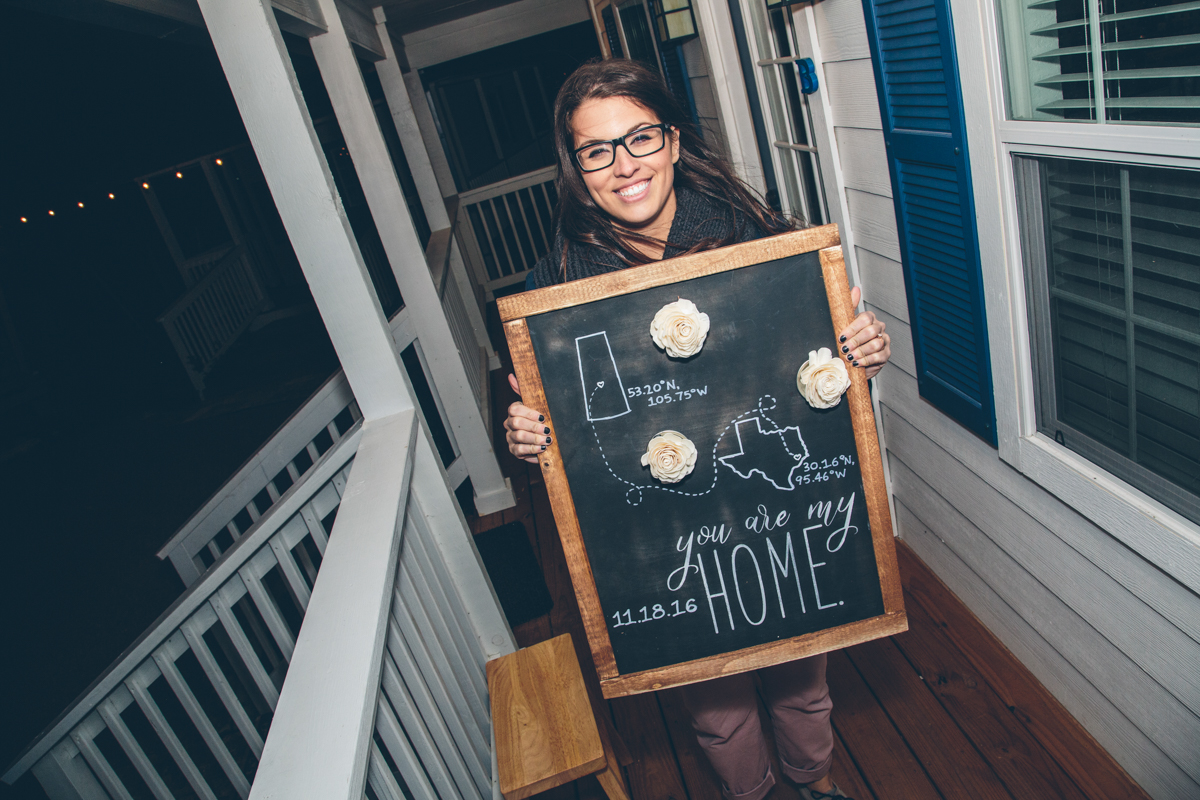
{"x":737,"y":428}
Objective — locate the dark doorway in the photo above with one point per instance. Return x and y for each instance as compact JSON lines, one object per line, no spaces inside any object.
{"x":495,"y":108}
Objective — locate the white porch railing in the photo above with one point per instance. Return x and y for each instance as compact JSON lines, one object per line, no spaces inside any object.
{"x":323,"y":420}
{"x":235,"y":625}
{"x":205,"y":322}
{"x":195,"y":268}
{"x":200,"y":705}
{"x":510,"y":226}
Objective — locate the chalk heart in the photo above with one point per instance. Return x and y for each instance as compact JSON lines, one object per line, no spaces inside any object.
{"x":680,"y":328}
{"x":823,"y":379}
{"x":670,"y":455}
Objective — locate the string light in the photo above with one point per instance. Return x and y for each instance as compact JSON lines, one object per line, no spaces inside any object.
{"x":23,"y":219}
{"x":81,"y":205}
{"x":219,"y":162}
{"x":52,"y":212}
{"x":178,"y":174}
{"x":112,"y":196}
{"x":145,"y":186}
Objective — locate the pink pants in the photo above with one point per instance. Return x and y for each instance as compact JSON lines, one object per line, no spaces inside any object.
{"x":725,"y":717}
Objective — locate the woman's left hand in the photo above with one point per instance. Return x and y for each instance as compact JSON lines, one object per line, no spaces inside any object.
{"x":863,"y":342}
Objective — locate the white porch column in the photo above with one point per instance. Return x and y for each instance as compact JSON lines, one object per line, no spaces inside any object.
{"x":385,"y":197}
{"x":433,"y":142}
{"x":720,"y":45}
{"x":416,"y":149}
{"x":256,"y":64}
{"x":420,"y":163}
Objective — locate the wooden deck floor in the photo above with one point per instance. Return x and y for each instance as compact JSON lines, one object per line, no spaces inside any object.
{"x":941,"y":711}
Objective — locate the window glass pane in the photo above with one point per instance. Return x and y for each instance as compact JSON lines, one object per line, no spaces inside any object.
{"x":1149,"y":49}
{"x":801,"y":188}
{"x":779,"y":27}
{"x":793,"y":202}
{"x":1114,"y":256}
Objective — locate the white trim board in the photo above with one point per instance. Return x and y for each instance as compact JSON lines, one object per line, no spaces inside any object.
{"x":489,"y":29}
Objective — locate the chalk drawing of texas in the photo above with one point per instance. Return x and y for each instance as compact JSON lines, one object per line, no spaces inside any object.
{"x":774,"y":453}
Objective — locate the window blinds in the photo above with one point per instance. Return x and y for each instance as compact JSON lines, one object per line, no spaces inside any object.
{"x":1112,"y":60}
{"x":1119,"y":289}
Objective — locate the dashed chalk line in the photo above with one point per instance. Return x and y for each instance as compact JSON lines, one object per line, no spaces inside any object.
{"x":716,"y":473}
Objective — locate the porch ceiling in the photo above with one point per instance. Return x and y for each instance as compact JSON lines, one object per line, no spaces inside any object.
{"x":181,"y":19}
{"x":406,"y":16}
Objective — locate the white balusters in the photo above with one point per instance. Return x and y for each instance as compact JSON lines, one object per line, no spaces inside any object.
{"x":401,"y":710}
{"x":509,"y":226}
{"x":307,"y":437}
{"x":205,"y":322}
{"x":158,"y":719}
{"x":231,"y":611}
{"x":193,"y":631}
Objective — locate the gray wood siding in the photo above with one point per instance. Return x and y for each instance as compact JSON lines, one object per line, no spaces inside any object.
{"x":702,"y":92}
{"x":1114,"y":638}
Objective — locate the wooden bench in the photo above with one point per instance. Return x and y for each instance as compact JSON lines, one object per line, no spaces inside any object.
{"x":545,"y":725}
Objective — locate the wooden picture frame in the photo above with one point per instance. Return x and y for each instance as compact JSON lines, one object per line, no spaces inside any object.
{"x":516,"y":313}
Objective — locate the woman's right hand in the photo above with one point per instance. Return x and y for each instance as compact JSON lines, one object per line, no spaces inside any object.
{"x":527,"y":432}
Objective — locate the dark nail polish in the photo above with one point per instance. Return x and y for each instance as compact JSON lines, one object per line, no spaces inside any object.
{"x":545,"y":430}
{"x":844,"y":348}
{"x":541,"y":418}
{"x":842,"y":339}
{"x":856,"y":363}
{"x":543,"y":447}
{"x":547,"y":440}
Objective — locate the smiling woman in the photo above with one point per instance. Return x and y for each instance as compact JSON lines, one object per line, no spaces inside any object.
{"x":636,"y":183}
{"x":639,"y":190}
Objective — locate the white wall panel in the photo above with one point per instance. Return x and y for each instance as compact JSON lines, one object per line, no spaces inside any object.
{"x":883,"y":283}
{"x":841,"y":30}
{"x":851,"y":85}
{"x":864,"y":160}
{"x":1146,"y":764}
{"x":874,"y":221}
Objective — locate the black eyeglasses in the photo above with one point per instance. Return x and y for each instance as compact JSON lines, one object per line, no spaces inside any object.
{"x":642,"y":142}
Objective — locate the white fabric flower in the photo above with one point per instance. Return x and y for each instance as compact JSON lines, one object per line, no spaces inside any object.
{"x":679,"y":328}
{"x":823,"y":379}
{"x":670,"y":455}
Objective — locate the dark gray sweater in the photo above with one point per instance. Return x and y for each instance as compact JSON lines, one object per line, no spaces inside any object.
{"x":697,"y":217}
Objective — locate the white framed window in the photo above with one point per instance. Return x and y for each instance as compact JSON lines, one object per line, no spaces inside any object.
{"x":786,"y":112}
{"x":1086,"y":165}
{"x":1114,"y":61}
{"x":1111,"y":255}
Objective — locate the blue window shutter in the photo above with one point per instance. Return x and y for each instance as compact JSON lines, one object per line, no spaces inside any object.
{"x":920,"y":103}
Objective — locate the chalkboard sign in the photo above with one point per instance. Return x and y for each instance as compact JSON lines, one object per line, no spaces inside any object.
{"x":778,"y":544}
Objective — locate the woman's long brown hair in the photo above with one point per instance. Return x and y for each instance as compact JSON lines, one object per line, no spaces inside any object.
{"x":700,"y":167}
